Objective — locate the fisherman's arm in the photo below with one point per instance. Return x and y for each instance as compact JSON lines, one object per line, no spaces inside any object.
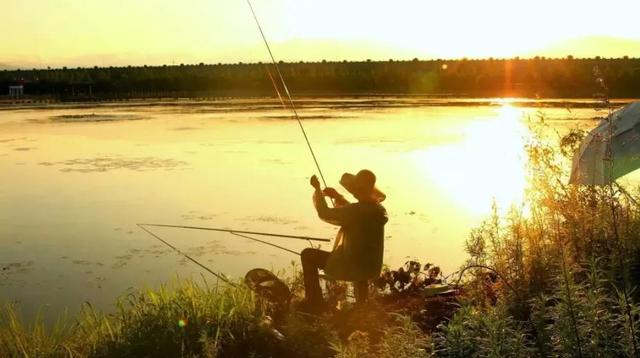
{"x":333,"y":216}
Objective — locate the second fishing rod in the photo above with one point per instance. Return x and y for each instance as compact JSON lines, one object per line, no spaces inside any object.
{"x":233,"y":232}
{"x":239,"y":233}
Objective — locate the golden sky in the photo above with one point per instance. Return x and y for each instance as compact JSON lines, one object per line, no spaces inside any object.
{"x":116,"y":32}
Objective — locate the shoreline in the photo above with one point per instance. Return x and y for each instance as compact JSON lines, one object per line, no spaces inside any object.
{"x":346,"y":101}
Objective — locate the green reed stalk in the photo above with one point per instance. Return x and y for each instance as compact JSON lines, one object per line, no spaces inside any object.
{"x":568,"y":291}
{"x":623,"y":267}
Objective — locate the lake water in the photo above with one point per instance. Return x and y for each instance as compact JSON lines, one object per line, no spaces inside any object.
{"x":77,"y":179}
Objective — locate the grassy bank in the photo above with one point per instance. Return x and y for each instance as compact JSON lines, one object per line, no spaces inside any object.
{"x":556,"y":276}
{"x":189,"y":319}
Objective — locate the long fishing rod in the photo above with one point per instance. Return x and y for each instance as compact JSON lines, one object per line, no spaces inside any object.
{"x":308,"y":238}
{"x":220,"y":276}
{"x":286,"y":90}
{"x":265,"y":242}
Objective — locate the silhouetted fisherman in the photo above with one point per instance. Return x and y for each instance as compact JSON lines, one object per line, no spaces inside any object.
{"x":358,"y":249}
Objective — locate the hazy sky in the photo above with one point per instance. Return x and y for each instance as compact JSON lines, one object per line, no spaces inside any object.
{"x":109,"y":32}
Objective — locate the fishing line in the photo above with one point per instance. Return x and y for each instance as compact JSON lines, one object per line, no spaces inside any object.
{"x":286,"y":90}
{"x":308,"y":238}
{"x":219,"y":276}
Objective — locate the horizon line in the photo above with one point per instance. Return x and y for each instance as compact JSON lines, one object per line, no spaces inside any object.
{"x":11,"y":67}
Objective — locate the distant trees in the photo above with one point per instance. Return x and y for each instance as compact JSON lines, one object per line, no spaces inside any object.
{"x":568,"y":77}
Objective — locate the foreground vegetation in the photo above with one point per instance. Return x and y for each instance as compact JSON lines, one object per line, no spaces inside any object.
{"x":195,"y":320}
{"x":564,"y":271}
{"x":554,"y":277}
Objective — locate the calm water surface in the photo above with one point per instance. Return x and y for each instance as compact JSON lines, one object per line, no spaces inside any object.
{"x":76,"y":180}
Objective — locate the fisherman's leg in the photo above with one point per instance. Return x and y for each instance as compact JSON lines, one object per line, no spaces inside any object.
{"x":312,"y":260}
{"x":361,"y":291}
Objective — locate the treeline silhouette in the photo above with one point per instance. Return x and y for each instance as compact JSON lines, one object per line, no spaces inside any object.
{"x":536,"y":77}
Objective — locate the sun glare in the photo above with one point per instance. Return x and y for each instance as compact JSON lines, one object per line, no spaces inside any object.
{"x":487,"y":166}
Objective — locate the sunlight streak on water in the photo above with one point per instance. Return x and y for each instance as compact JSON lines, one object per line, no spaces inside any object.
{"x":488,"y":165}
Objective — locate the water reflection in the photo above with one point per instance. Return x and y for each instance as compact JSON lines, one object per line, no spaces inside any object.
{"x":486,"y":166}
{"x":67,"y":216}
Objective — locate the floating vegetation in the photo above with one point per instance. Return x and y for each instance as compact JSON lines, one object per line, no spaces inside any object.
{"x":193,"y":216}
{"x":185,"y":129}
{"x":270,"y":219}
{"x":85,"y":262}
{"x":119,"y":264}
{"x":16,"y":267}
{"x":107,"y":163}
{"x":212,"y":248}
{"x":8,"y":140}
{"x":95,"y":117}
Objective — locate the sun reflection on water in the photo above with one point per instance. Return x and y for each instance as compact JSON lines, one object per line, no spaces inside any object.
{"x":488,"y":165}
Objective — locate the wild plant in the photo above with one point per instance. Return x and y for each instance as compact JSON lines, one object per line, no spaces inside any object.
{"x":21,"y":339}
{"x":401,"y":338}
{"x":483,"y":332}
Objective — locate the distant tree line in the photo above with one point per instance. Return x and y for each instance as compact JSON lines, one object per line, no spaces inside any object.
{"x":536,"y":77}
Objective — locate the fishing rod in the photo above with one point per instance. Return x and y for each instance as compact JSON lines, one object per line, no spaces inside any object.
{"x":266,"y":243}
{"x":286,"y":90}
{"x":219,"y":276}
{"x":241,"y":232}
{"x":308,"y":238}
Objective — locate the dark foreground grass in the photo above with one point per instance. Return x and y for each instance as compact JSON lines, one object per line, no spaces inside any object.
{"x":183,"y":320}
{"x":189,"y":319}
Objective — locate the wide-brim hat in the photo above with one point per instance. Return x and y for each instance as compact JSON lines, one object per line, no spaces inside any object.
{"x":362,"y":185}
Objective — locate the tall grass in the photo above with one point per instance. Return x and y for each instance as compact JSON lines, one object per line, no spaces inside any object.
{"x":183,"y":319}
{"x":568,"y":266}
{"x":191,"y":319}
{"x":21,"y":339}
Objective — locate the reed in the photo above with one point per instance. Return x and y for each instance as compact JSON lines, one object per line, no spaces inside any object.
{"x":568,"y":263}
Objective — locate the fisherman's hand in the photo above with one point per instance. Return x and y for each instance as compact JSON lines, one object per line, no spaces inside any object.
{"x":331,"y":192}
{"x":315,"y":183}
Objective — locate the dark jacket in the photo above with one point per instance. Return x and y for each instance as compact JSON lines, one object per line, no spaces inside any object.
{"x":359,"y":257}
